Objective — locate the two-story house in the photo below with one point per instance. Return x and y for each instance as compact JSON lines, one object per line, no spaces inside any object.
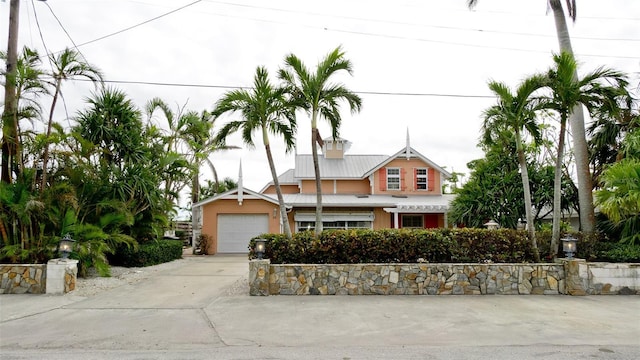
{"x":403,"y":190}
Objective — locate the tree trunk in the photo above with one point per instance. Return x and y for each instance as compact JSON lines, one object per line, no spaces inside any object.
{"x":316,"y":167}
{"x":283,"y":210}
{"x":576,"y":121}
{"x":9,"y":120}
{"x":557,"y":186}
{"x":45,"y":157}
{"x":527,"y":199}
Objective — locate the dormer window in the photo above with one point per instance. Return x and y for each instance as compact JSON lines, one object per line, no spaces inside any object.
{"x":393,"y":178}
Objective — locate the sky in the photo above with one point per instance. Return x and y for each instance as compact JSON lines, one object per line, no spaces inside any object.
{"x":420,"y":66}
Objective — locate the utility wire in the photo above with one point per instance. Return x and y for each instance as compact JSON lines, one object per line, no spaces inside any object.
{"x":154,"y":83}
{"x":142,"y":23}
{"x":410,"y":23}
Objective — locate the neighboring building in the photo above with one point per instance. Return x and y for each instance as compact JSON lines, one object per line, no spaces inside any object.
{"x":403,"y":190}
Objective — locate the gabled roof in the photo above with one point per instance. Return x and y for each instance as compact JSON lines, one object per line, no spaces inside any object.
{"x":286,"y":178}
{"x":407,"y":152}
{"x":234,"y":195}
{"x":349,"y":167}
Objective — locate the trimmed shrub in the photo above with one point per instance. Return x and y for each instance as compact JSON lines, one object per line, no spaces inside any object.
{"x":147,"y":254}
{"x":398,"y":246}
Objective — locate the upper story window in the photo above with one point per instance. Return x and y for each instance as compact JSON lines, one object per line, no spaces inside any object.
{"x":339,"y":145}
{"x":393,"y":178}
{"x":329,"y":145}
{"x":422,"y":179}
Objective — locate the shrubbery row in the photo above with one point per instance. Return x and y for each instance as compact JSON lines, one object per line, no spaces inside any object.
{"x":147,"y":254}
{"x":429,"y":245}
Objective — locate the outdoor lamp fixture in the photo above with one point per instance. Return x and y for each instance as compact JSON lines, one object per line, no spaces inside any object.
{"x":66,"y":246}
{"x":491,"y":225}
{"x":260,"y":248}
{"x":569,"y":246}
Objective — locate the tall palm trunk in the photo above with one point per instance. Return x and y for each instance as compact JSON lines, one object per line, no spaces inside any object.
{"x":9,"y":121}
{"x":557,"y":186}
{"x":524,"y":173}
{"x":276,"y":183}
{"x":315,"y":134}
{"x":576,"y":120}
{"x":45,"y":157}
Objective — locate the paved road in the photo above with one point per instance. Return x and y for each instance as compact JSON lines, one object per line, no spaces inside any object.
{"x":194,"y":311}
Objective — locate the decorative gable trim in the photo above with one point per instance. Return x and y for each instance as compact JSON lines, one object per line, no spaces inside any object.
{"x":403,"y":153}
{"x":234,"y":195}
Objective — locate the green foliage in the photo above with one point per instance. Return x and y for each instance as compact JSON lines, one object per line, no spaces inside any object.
{"x":620,"y":252}
{"x":619,"y":198}
{"x":152,"y":253}
{"x":398,"y":246}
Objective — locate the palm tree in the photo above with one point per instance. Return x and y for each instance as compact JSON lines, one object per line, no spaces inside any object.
{"x":265,"y":109}
{"x":568,"y":92}
{"x":580,"y":146}
{"x":516,"y":113}
{"x":67,"y":65}
{"x":316,"y":94}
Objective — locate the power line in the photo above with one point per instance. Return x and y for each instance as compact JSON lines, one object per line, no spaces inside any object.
{"x":412,"y":24}
{"x":142,"y":23}
{"x":155,"y":83}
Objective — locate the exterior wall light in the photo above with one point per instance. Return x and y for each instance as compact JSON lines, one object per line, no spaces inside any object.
{"x":492,"y":225}
{"x":66,"y":246}
{"x":569,"y":246}
{"x":260,"y":248}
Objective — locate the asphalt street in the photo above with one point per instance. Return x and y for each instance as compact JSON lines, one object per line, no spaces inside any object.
{"x":202,"y":310}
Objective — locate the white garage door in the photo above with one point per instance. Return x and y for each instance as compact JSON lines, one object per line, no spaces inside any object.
{"x":235,"y":231}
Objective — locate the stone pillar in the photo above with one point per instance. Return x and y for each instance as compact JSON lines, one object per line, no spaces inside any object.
{"x":61,"y":276}
{"x":576,"y":277}
{"x":259,"y":277}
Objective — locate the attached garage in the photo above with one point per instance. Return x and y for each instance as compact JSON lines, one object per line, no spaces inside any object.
{"x":235,"y":231}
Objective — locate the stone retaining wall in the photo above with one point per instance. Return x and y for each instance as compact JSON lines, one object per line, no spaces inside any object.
{"x":573,"y":277}
{"x":23,"y":278}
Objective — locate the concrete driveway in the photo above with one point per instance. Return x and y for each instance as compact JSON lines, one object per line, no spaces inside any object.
{"x":200,"y":309}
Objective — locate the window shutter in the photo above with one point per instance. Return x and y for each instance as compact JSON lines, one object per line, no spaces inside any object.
{"x":431,"y":179}
{"x":415,"y":179}
{"x":403,"y":181}
{"x":382,"y":174}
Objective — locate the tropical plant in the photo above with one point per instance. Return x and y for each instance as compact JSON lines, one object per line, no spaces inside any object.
{"x":515,"y":114}
{"x":580,"y":147}
{"x":319,"y":97}
{"x":619,"y":198}
{"x":264,"y":109}
{"x":67,"y":65}
{"x":599,"y":91}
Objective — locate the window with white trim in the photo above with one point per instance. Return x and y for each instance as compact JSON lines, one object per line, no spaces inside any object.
{"x":341,"y":225}
{"x":421,"y":179}
{"x":339,"y":145}
{"x":412,"y":221}
{"x":393,"y":178}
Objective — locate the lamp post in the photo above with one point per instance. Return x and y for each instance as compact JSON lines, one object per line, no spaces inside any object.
{"x":492,"y":225}
{"x":569,"y":245}
{"x":260,"y":248}
{"x":66,"y":246}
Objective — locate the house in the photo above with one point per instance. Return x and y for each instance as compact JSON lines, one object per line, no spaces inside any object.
{"x":403,"y":190}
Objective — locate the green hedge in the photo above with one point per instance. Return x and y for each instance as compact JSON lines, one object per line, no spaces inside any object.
{"x":398,"y":246}
{"x":432,"y":245}
{"x":147,"y":254}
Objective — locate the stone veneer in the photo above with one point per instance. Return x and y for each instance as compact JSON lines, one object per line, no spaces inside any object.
{"x":416,"y":279}
{"x":572,"y":277}
{"x":23,"y":278}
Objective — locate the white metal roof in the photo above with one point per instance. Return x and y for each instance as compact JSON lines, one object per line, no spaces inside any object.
{"x":349,"y":167}
{"x":421,"y":203}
